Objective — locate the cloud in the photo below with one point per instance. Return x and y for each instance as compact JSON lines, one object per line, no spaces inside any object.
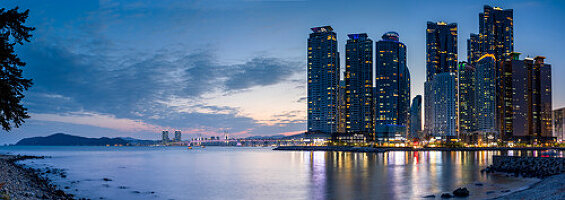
{"x":260,"y":72}
{"x":166,"y":89}
{"x":302,"y":100}
{"x":124,"y":87}
{"x":98,"y":120}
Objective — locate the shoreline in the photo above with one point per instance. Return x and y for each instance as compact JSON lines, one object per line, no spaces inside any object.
{"x":19,"y":182}
{"x":548,"y":188}
{"x":385,"y":149}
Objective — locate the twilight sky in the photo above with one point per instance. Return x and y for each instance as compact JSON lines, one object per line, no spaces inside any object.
{"x":132,"y":68}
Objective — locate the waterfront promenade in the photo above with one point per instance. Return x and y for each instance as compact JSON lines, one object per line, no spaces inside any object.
{"x":384,"y":149}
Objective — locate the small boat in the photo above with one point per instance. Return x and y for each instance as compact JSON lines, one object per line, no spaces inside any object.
{"x":203,"y":146}
{"x":189,"y":147}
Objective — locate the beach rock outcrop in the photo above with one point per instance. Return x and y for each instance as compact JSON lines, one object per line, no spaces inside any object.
{"x":446,"y":196}
{"x":461,"y":192}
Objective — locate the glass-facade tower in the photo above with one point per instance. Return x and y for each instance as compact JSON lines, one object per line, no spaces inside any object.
{"x":467,"y":111}
{"x":392,"y":92}
{"x":359,"y":84}
{"x":496,"y":32}
{"x":440,"y":102}
{"x":416,"y":117}
{"x":485,"y":97}
{"x":323,"y":81}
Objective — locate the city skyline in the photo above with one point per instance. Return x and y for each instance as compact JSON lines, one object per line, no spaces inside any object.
{"x":77,"y":113}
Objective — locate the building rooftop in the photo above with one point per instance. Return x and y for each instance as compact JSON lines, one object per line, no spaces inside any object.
{"x":322,"y":29}
{"x":357,"y":36}
{"x":391,"y":35}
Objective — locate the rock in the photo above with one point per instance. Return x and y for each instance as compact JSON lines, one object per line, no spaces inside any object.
{"x":505,"y":191}
{"x":429,"y":196}
{"x":479,"y":184}
{"x":107,"y":179}
{"x":461,"y":192}
{"x":446,"y":196}
{"x":67,"y":187}
{"x":136,"y":192}
{"x":490,"y":192}
{"x":59,"y":193}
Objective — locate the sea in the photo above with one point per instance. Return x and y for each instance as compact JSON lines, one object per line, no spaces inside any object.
{"x":263,"y":173}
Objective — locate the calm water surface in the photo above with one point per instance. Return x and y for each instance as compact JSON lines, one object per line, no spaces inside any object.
{"x":261,"y":173}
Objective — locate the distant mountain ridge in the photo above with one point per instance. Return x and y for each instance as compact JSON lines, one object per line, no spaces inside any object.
{"x":62,"y":139}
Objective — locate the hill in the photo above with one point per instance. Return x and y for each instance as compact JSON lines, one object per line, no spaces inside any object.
{"x":62,"y":139}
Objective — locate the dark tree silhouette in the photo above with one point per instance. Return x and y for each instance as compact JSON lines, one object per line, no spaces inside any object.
{"x":12,"y":84}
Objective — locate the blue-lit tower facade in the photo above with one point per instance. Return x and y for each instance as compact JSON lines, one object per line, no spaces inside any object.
{"x":392,"y":89}
{"x":323,"y":81}
{"x":359,"y":85}
{"x":486,"y":93}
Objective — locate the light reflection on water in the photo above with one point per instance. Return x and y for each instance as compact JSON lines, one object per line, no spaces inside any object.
{"x":260,"y":173}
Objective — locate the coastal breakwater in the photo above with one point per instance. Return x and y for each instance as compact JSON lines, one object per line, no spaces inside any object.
{"x":527,"y":166}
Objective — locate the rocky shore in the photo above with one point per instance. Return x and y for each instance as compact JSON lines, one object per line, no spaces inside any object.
{"x":539,"y":167}
{"x":17,"y":182}
{"x":549,"y":188}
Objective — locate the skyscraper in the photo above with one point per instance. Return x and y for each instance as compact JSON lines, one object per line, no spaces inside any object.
{"x":416,"y":117}
{"x":441,"y":73}
{"x":473,"y":49}
{"x":178,"y":136}
{"x":392,"y":95}
{"x":445,"y":105}
{"x":467,"y":111}
{"x":496,"y":32}
{"x":165,"y":136}
{"x":492,"y":46}
{"x":323,"y":81}
{"x":485,"y":96}
{"x":359,"y":84}
{"x":526,"y":111}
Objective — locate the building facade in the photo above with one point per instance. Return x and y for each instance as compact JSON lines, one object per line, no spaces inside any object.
{"x":559,"y":124}
{"x":165,"y":136}
{"x":526,"y":114}
{"x":445,"y":105}
{"x":496,"y":32}
{"x":323,"y":81}
{"x":416,"y":118}
{"x":392,"y":89}
{"x":467,"y":110}
{"x":441,"y":58}
{"x":485,"y":98}
{"x":473,"y":49}
{"x":359,"y":84}
{"x":178,"y":136}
